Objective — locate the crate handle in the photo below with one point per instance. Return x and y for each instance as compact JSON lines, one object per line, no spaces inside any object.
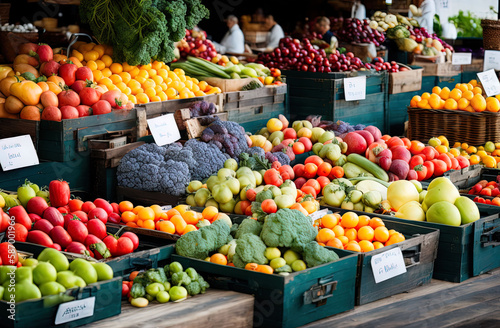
{"x":411,"y":258}
{"x":141,"y":262}
{"x":74,"y":37}
{"x":320,"y":292}
{"x":491,"y":238}
{"x":259,"y":110}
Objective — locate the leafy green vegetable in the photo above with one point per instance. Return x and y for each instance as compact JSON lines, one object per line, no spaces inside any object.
{"x":467,"y":25}
{"x":141,"y":30}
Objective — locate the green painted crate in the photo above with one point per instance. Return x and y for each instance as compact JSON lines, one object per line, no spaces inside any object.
{"x":396,"y":113}
{"x":323,"y":94}
{"x":467,"y":76}
{"x":254,"y":118}
{"x":67,"y":140}
{"x":448,"y":81}
{"x":292,"y":300}
{"x":42,"y":312}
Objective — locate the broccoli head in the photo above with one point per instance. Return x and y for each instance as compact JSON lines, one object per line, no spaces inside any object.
{"x":193,"y":288}
{"x":288,"y":228}
{"x":314,"y":254}
{"x":199,"y":243}
{"x":249,"y":249}
{"x":248,"y":226}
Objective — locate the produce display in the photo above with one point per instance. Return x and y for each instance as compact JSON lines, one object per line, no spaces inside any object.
{"x":487,"y":155}
{"x":353,"y":232}
{"x":51,"y":273}
{"x":486,"y":188}
{"x":383,"y":21}
{"x":170,"y":283}
{"x":19,"y":28}
{"x":357,"y":31}
{"x":195,"y":44}
{"x":469,"y":97}
{"x":419,"y":41}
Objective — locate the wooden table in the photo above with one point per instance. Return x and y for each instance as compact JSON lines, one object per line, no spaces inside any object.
{"x":472,"y":303}
{"x":216,"y":308}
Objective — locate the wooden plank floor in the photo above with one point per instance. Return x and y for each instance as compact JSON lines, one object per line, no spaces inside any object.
{"x":216,"y":308}
{"x":472,"y":303}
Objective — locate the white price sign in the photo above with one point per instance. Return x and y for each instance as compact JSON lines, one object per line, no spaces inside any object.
{"x":17,"y":152}
{"x":461,"y":58}
{"x":164,"y":129}
{"x":355,"y":88}
{"x":75,"y":310}
{"x":166,"y":208}
{"x":318,"y":215}
{"x":489,"y":80}
{"x":388,"y":264}
{"x":491,"y":60}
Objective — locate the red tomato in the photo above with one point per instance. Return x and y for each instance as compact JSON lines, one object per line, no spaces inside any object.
{"x":273,"y":177}
{"x":132,"y":236}
{"x":8,"y":254}
{"x":430,"y":169}
{"x":124,"y":246}
{"x":21,"y":216}
{"x":421,"y":172}
{"x":111,"y":243}
{"x":439,"y":167}
{"x":416,"y":160}
{"x":269,"y":206}
{"x":89,"y":96}
{"x":101,"y":107}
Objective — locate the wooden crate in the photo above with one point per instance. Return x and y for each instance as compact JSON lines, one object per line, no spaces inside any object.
{"x":463,"y":178}
{"x":146,"y":198}
{"x":439,"y":69}
{"x":292,"y":300}
{"x":194,"y":127}
{"x":405,"y":81}
{"x":229,"y":85}
{"x":13,"y":127}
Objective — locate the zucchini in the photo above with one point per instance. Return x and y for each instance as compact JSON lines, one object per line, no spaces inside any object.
{"x":209,"y":67}
{"x":371,"y":167}
{"x":357,"y":179}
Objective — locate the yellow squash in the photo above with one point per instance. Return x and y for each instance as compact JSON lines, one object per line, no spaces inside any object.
{"x":27,"y":91}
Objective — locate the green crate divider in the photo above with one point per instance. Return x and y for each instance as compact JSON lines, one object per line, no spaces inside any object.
{"x":254,"y":118}
{"x":397,"y":113}
{"x":486,"y":253}
{"x":279,"y":300}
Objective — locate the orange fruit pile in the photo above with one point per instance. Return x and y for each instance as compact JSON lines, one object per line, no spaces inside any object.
{"x":353,"y":232}
{"x":467,"y":97}
{"x":142,"y":84}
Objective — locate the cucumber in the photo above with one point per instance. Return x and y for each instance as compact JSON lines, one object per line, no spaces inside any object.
{"x":371,"y":167}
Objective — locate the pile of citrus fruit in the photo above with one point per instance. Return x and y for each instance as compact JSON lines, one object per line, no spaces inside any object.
{"x":355,"y":233}
{"x":141,"y":84}
{"x":178,"y":220}
{"x":467,"y":97}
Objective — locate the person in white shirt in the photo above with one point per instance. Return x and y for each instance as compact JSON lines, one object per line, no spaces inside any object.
{"x":358,"y":10}
{"x":426,"y":19}
{"x":275,"y":35}
{"x":234,"y":40}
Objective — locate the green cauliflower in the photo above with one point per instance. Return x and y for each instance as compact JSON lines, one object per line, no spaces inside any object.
{"x":288,"y":228}
{"x":315,"y":254}
{"x":249,"y":249}
{"x":198,"y":244}
{"x":248,"y":226}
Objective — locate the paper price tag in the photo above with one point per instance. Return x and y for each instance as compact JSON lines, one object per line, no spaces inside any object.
{"x":491,"y":60}
{"x":17,"y":152}
{"x":355,"y":88}
{"x":461,"y":58}
{"x":318,"y":214}
{"x":166,"y":208}
{"x":489,"y":80}
{"x":164,"y":129}
{"x":75,"y":310}
{"x":388,"y":264}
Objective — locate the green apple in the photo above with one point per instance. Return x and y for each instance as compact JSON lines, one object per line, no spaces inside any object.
{"x":80,"y":282}
{"x":327,"y":135}
{"x":316,"y":134}
{"x":44,"y":272}
{"x":51,"y":288}
{"x":489,"y":147}
{"x":163,"y":296}
{"x":272,"y":253}
{"x":154,"y":288}
{"x":177,"y":293}
{"x":277,"y":263}
{"x":290,"y":256}
{"x":441,"y":189}
{"x":104,"y":271}
{"x":195,"y":185}
{"x":298,"y":265}
{"x":56,"y":258}
{"x":84,"y":269}
{"x":5,"y":272}
{"x":30,"y":262}
{"x":24,"y":274}
{"x":66,"y":278}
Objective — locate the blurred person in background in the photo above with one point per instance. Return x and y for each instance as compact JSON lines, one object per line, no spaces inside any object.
{"x":276,"y":33}
{"x":322,"y":27}
{"x":358,"y":10}
{"x":234,"y":40}
{"x":425,"y":18}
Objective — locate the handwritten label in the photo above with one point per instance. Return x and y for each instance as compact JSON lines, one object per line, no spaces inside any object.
{"x":355,"y":88}
{"x":388,"y":265}
{"x":318,"y":215}
{"x":461,"y":58}
{"x":164,"y":129}
{"x":75,"y":310}
{"x":491,"y":60}
{"x":17,"y":152}
{"x":489,"y":80}
{"x":166,"y":208}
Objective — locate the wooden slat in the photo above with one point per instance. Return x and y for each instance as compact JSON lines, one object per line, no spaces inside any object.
{"x":194,"y":128}
{"x":115,"y":152}
{"x":16,"y":127}
{"x":216,"y":308}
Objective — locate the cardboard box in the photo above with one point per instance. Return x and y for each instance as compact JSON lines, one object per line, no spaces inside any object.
{"x":405,"y":81}
{"x":440,"y":69}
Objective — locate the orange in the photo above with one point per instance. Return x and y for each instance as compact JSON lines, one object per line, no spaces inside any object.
{"x":366,"y":233}
{"x":325,"y":235}
{"x":462,"y":88}
{"x":377,"y":244}
{"x":189,"y":228}
{"x":338,"y":230}
{"x":474,"y":159}
{"x":395,"y":238}
{"x":92,"y":65}
{"x":142,"y":98}
{"x":137,"y":209}
{"x":140,"y":223}
{"x":309,"y":206}
{"x":436,"y":90}
{"x":125,"y":206}
{"x":468,"y":95}
{"x":100,"y":64}
{"x":171,"y":212}
{"x":489,"y":161}
{"x":435,"y":101}
{"x":330,"y":221}
{"x":91,"y":55}
{"x":97,"y":75}
{"x":210,"y":212}
{"x":218,"y":258}
{"x":150,"y":92}
{"x":265,"y":269}
{"x":128,"y":216}
{"x":469,"y":86}
{"x":376,"y":222}
{"x":366,"y":246}
{"x":353,"y":246}
{"x":106,"y":59}
{"x":456,"y":94}
{"x":115,"y":78}
{"x":493,"y":105}
{"x":463,"y":103}
{"x":166,"y":226}
{"x":349,"y":220}
{"x":364,"y":220}
{"x":179,"y":223}
{"x":134,"y":72}
{"x":478,"y":103}
{"x":182,"y":208}
{"x":148,"y":224}
{"x":425,"y":95}
{"x":477,"y":91}
{"x":414,"y":101}
{"x":424,"y":104}
{"x":392,"y":232}
{"x":473,"y":83}
{"x":191,"y":217}
{"x":146,"y":213}
{"x":450,"y":103}
{"x":442,"y":149}
{"x":335,"y":242}
{"x":445,"y":93}
{"x":106,"y":72}
{"x":351,"y":234}
{"x":157,"y":210}
{"x":343,"y":239}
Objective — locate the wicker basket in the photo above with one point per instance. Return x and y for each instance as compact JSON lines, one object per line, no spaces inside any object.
{"x":4,"y":13}
{"x":491,"y":34}
{"x":473,"y":128}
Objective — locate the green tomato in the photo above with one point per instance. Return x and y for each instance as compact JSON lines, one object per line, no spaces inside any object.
{"x":167,"y":286}
{"x":175,"y":267}
{"x":298,"y":265}
{"x":25,"y":193}
{"x":34,"y":186}
{"x":154,"y":288}
{"x":231,"y":164}
{"x":163,"y":297}
{"x":177,"y":293}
